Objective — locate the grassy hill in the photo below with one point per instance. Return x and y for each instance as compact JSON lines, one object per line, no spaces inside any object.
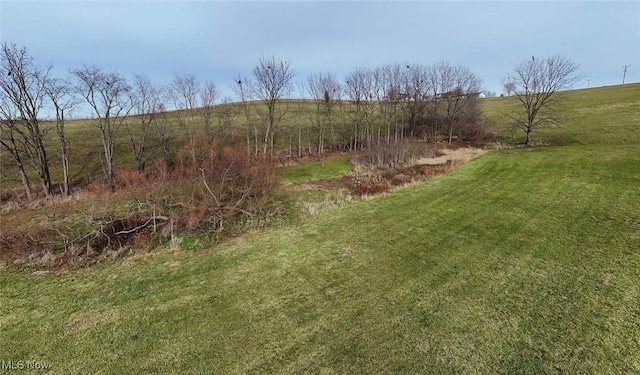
{"x":521,"y":261}
{"x":601,"y":115}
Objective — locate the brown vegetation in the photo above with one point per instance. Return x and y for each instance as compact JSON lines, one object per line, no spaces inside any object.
{"x":209,"y":194}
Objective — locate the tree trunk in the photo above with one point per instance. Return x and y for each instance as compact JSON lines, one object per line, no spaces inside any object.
{"x":299,"y":142}
{"x":42,"y":162}
{"x":25,"y":180}
{"x":248,"y":141}
{"x":255,"y":135}
{"x":108,"y":155}
{"x":65,"y":172}
{"x":63,"y":150}
{"x":46,"y":177}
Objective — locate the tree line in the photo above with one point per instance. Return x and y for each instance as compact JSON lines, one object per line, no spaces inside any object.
{"x":378,"y":106}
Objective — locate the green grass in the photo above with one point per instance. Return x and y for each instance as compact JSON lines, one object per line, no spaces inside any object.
{"x":601,"y":115}
{"x":317,"y":170}
{"x":521,"y":261}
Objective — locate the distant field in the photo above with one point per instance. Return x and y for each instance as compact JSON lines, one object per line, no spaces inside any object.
{"x":521,"y":261}
{"x":596,"y":115}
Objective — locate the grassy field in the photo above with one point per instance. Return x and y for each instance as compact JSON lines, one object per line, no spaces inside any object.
{"x":601,"y":115}
{"x":521,"y":261}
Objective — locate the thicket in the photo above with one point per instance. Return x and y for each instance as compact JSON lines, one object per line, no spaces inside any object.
{"x":378,"y":169}
{"x":222,"y":189}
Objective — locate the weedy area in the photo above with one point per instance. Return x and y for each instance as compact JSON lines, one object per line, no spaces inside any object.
{"x":218,"y":195}
{"x":522,"y":260}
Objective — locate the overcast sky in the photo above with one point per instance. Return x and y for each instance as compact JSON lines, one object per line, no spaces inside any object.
{"x":218,"y":40}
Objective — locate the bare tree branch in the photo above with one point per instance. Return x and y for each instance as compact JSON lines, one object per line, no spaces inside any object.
{"x":147,"y":105}
{"x":538,"y":85}
{"x":273,"y":81}
{"x":60,"y":93}
{"x":22,"y":94}
{"x":108,"y":95}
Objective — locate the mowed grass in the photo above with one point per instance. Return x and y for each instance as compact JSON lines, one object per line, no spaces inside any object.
{"x":521,"y":261}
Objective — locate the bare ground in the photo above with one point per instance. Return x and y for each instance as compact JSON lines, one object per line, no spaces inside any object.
{"x":447,"y":154}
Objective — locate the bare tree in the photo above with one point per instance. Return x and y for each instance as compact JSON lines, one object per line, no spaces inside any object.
{"x":324,"y":90}
{"x":147,"y":105}
{"x":273,"y":82}
{"x":378,"y":120}
{"x":459,"y":98}
{"x":108,"y":96}
{"x":183,"y":91}
{"x":23,"y":92}
{"x":208,"y":97}
{"x":417,"y":87}
{"x":226,"y":114}
{"x":13,"y":138}
{"x":359,"y":89}
{"x":60,"y":93}
{"x":391,"y":100}
{"x":538,"y":86}
{"x":243,"y":88}
{"x":164,"y":132}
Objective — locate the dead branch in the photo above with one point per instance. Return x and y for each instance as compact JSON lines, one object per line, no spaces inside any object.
{"x":152,"y":219}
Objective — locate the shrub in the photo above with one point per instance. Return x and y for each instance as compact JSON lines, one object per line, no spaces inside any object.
{"x":401,"y":179}
{"x":128,"y":178}
{"x":231,"y":185}
{"x":369,"y":185}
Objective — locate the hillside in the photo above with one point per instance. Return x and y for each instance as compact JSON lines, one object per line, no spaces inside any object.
{"x":523,"y":260}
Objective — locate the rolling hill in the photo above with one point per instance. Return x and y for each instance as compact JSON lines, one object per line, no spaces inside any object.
{"x":521,"y":261}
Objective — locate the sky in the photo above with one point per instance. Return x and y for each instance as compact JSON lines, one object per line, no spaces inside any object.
{"x":218,"y":40}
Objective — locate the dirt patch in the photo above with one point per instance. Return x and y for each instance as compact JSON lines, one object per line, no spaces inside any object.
{"x":446,"y":155}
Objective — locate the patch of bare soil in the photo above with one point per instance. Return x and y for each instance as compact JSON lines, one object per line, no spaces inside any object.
{"x":446,"y":155}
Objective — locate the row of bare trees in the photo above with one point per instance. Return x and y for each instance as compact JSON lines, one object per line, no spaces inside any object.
{"x":377,"y":106}
{"x":427,"y":101}
{"x":136,"y":107}
{"x":372,"y":106}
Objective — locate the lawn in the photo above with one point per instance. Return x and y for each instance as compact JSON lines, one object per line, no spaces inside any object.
{"x":521,"y":261}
